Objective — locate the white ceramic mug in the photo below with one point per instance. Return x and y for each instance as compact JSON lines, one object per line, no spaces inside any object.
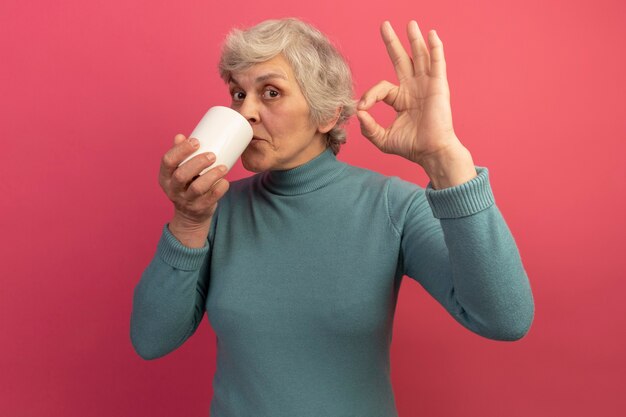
{"x":224,"y":132}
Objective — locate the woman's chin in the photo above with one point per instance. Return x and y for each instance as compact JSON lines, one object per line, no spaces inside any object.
{"x":253,"y":163}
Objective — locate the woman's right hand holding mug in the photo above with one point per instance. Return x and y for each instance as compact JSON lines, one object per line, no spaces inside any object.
{"x":195,"y":197}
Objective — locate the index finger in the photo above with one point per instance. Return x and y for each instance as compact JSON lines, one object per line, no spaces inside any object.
{"x":400,"y":59}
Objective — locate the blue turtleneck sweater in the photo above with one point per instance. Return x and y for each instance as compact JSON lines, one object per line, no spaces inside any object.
{"x":300,"y":276}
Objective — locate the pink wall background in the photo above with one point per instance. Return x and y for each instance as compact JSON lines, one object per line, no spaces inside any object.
{"x":92,"y":94}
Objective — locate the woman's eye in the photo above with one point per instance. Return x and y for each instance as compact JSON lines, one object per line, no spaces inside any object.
{"x":238,"y":95}
{"x":270,"y":94}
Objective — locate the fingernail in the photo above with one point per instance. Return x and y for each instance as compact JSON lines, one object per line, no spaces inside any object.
{"x":223,"y":168}
{"x":194,"y":142}
{"x":362,"y":103}
{"x":210,"y":156}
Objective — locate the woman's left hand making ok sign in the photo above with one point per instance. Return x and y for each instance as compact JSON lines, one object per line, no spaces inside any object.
{"x":422,"y":131}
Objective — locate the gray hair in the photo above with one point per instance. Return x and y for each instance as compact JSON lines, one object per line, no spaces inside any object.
{"x":320,"y":70}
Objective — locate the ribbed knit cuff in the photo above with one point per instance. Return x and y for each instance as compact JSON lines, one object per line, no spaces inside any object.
{"x":175,"y":254}
{"x":462,"y":200}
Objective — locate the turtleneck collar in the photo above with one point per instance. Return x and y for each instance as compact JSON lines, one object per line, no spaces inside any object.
{"x":310,"y":176}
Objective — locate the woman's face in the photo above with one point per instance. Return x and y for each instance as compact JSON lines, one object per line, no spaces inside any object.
{"x":269,"y":97}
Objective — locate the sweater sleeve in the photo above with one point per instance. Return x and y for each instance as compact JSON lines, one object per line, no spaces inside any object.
{"x":169,"y":299}
{"x":456,"y":244}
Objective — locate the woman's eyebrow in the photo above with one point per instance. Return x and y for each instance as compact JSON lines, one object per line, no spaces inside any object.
{"x":263,"y":78}
{"x":269,"y":76}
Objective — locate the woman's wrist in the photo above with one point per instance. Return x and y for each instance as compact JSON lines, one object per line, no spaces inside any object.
{"x":189,"y":234}
{"x":449,"y":167}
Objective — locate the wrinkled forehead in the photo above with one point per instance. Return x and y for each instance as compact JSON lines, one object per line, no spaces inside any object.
{"x":276,"y":68}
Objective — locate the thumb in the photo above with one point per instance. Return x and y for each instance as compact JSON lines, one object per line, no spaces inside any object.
{"x":371,"y":129}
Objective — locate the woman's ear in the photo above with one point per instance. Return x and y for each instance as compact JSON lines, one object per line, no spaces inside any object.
{"x":326,"y":127}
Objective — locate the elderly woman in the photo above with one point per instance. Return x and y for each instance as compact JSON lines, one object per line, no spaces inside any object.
{"x":299,"y":266}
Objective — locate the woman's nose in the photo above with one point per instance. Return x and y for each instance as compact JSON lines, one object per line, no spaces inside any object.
{"x":249,"y":109}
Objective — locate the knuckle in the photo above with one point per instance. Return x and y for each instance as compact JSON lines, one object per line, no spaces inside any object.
{"x":179,"y":176}
{"x":168,"y":160}
{"x":220,"y":187}
{"x":212,"y":190}
{"x":194,"y":189}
